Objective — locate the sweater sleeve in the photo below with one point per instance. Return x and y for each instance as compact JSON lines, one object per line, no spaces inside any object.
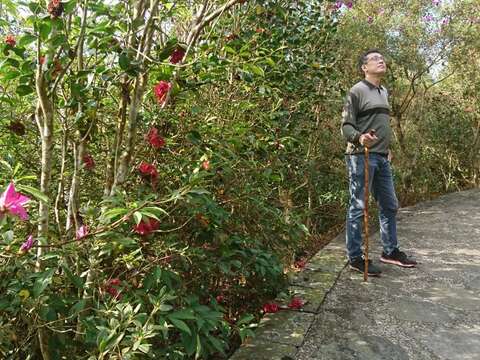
{"x":349,"y":119}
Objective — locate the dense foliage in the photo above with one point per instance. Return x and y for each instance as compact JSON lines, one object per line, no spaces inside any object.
{"x":164,"y":163}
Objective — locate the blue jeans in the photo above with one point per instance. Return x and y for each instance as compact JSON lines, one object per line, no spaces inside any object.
{"x":382,"y":189}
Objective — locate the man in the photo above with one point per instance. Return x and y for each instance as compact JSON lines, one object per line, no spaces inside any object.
{"x":366,"y":108}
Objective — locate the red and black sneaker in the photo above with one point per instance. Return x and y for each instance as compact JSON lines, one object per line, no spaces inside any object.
{"x":399,"y":258}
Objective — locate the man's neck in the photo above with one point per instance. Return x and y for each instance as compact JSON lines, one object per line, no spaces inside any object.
{"x":375,"y":80}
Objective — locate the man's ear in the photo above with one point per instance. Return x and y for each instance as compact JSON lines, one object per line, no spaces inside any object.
{"x":364,"y":68}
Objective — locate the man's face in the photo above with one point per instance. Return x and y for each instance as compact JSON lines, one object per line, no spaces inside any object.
{"x":375,"y":64}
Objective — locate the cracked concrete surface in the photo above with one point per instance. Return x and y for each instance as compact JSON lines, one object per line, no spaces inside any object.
{"x":430,"y":312}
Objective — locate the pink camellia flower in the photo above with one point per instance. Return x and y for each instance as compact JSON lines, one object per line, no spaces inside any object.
{"x":381,"y":11}
{"x":206,"y":165}
{"x":436,"y":2}
{"x":427,"y":17}
{"x":81,"y":232}
{"x":370,"y":19}
{"x":177,"y":55}
{"x":296,"y":303}
{"x":27,"y":245}
{"x":88,"y":161}
{"x":445,"y":21}
{"x":154,"y":139}
{"x":13,"y":202}
{"x":338,"y":5}
{"x":349,"y":4}
{"x":270,"y":308}
{"x":161,"y":90}
{"x":145,"y":228}
{"x":10,"y":40}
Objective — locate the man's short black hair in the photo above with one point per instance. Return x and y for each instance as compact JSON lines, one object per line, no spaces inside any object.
{"x":362,"y":60}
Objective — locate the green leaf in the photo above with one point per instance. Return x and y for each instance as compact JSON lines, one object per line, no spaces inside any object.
{"x":165,"y":308}
{"x":189,"y":343}
{"x":182,"y":326}
{"x":12,"y":62}
{"x":194,"y":137}
{"x":35,"y":7}
{"x":245,"y":319}
{"x":167,"y":50}
{"x":154,"y":212}
{"x":76,"y":280}
{"x":114,"y":213}
{"x":244,"y":333}
{"x":152,"y":278}
{"x":59,"y":40}
{"x":44,"y":30}
{"x":26,"y":177}
{"x":230,"y":50}
{"x":137,"y":216}
{"x":123,"y":61}
{"x":270,"y":61}
{"x":256,"y":69}
{"x":76,"y":90}
{"x":69,"y":6}
{"x":217,"y":344}
{"x":26,"y":39}
{"x":6,"y":165}
{"x":8,"y":236}
{"x":79,"y":306}
{"x":33,"y":191}
{"x":185,"y":314}
{"x":11,"y":75}
{"x":145,"y":348}
{"x":23,"y":90}
{"x":44,"y":279}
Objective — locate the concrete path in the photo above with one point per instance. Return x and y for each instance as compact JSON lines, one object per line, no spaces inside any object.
{"x":431,"y":312}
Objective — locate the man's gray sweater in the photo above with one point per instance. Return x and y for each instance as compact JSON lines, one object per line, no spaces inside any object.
{"x":366,"y":108}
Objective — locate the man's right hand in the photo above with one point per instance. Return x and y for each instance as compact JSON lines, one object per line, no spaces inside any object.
{"x":368,"y":139}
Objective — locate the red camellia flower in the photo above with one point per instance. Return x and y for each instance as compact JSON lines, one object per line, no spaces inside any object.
{"x":55,"y":8}
{"x":115,"y":281}
{"x":154,"y":139}
{"x":57,"y":68}
{"x":161,"y":90}
{"x":88,"y":162}
{"x":148,"y":170}
{"x":112,"y":290}
{"x":296,"y":303}
{"x":10,"y":40}
{"x":145,"y":228}
{"x":300,"y":264}
{"x":270,"y":308}
{"x":177,"y":55}
{"x":42,"y":60}
{"x":220,"y":299}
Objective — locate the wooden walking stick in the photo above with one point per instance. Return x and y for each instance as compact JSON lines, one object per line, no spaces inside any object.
{"x":365,"y":211}
{"x":365,"y":218}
